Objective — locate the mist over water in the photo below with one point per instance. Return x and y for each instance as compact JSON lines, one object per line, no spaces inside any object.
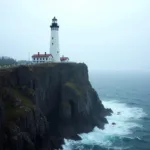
{"x":127,"y":93}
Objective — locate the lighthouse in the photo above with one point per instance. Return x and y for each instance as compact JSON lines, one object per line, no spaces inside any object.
{"x":54,"y":41}
{"x":54,"y":55}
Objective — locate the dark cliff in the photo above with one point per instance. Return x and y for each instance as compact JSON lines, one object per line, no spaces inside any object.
{"x":42,"y":104}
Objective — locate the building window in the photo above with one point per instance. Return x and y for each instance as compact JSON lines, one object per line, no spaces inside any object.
{"x":46,"y":58}
{"x":52,"y":43}
{"x":52,"y":38}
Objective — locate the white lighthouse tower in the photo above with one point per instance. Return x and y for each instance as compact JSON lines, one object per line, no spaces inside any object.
{"x":54,"y":42}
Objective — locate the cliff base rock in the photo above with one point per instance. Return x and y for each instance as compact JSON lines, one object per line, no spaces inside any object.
{"x":42,"y":104}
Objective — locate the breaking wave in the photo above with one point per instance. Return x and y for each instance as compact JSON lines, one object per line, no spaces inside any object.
{"x":113,"y":137}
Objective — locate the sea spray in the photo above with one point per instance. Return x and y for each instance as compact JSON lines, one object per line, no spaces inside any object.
{"x":112,"y":136}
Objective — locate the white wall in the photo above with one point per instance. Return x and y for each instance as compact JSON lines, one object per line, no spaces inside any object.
{"x":54,"y":45}
{"x":41,"y":59}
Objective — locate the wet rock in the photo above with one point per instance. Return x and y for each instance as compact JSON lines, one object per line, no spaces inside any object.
{"x":40,"y":105}
{"x":17,"y":102}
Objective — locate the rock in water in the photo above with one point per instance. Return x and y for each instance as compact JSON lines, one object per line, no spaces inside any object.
{"x":42,"y":104}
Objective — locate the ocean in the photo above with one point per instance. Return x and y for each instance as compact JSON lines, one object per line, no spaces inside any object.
{"x":129,"y":94}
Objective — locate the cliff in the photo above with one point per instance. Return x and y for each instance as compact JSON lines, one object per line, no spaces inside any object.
{"x":44,"y":103}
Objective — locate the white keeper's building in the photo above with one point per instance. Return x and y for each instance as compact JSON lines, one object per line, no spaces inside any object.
{"x":54,"y":55}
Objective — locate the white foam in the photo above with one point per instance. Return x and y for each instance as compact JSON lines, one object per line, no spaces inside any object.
{"x":125,"y":122}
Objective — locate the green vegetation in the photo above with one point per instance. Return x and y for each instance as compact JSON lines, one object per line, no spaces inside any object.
{"x":30,"y":91}
{"x":26,"y":102}
{"x":7,"y":61}
{"x":66,"y":104}
{"x":23,"y":62}
{"x":73,"y":86}
{"x":50,"y":64}
{"x":13,"y":112}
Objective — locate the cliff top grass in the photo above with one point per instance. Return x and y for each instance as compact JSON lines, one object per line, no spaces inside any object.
{"x":44,"y":64}
{"x":50,"y":64}
{"x":8,"y":69}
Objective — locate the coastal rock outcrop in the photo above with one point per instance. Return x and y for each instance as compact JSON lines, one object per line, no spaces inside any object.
{"x":42,"y":104}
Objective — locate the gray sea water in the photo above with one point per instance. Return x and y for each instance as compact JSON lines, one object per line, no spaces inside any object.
{"x":128,"y":93}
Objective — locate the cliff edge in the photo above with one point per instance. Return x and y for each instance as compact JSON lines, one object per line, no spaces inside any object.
{"x":44,"y":103}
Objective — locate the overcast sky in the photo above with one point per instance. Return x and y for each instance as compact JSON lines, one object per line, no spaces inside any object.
{"x":105,"y":34}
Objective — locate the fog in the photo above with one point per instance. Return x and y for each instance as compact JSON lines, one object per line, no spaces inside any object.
{"x":105,"y":34}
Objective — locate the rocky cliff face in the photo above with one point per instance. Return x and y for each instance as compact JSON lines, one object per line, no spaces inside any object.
{"x":42,"y":104}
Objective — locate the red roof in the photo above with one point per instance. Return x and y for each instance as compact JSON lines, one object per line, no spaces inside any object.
{"x":41,"y":55}
{"x":63,"y":58}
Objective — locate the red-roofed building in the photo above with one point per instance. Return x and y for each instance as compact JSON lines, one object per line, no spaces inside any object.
{"x":64,"y":59}
{"x":39,"y":58}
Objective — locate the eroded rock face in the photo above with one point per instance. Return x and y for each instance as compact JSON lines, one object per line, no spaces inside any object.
{"x":42,"y":104}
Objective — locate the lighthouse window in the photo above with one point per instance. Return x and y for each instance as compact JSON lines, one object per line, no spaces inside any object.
{"x":52,"y":38}
{"x":52,"y":43}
